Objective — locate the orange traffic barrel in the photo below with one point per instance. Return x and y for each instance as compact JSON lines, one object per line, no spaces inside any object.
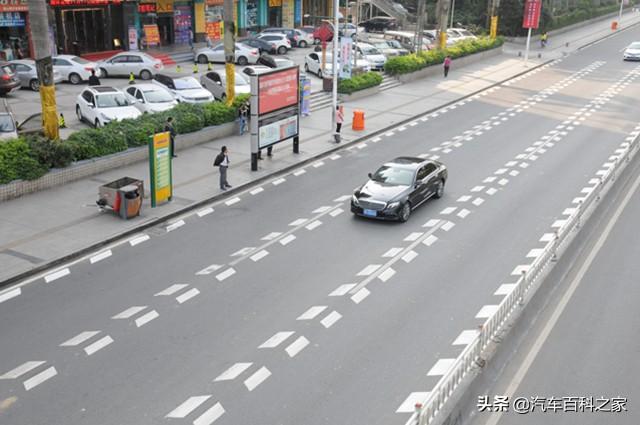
{"x":614,"y":25}
{"x":358,"y":120}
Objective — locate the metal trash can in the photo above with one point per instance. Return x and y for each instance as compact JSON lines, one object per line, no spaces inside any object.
{"x":123,"y":196}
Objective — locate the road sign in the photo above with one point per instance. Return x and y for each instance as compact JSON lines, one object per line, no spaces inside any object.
{"x":531,"y":17}
{"x":160,"y":168}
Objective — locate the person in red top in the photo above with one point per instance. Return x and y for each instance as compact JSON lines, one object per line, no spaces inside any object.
{"x":447,"y":64}
{"x":339,"y":121}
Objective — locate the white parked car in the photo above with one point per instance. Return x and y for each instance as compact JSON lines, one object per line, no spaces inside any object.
{"x":244,"y":54}
{"x":99,"y":105}
{"x":184,"y":89}
{"x":389,"y":48}
{"x":304,"y":38}
{"x":632,"y":52}
{"x":216,"y":83}
{"x":122,"y":64}
{"x":313,"y":64}
{"x":372,"y":55}
{"x":74,"y":68}
{"x":281,"y":41}
{"x":349,"y":30}
{"x":458,"y":34}
{"x":150,"y":98}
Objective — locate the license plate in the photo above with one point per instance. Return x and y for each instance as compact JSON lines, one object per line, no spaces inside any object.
{"x":370,"y":213}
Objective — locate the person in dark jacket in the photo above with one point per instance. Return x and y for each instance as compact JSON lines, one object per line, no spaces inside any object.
{"x":222,"y":161}
{"x":168,"y":126}
{"x":93,"y":79}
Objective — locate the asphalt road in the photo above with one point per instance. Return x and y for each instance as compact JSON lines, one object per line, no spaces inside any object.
{"x":279,"y":307}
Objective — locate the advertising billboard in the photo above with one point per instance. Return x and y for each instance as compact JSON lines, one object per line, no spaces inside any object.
{"x":531,"y":17}
{"x":346,"y":57}
{"x":277,"y":90}
{"x":160,"y":168}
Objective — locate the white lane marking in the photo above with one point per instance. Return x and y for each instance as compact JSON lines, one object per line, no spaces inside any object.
{"x":463,"y":213}
{"x":331,"y":319}
{"x":10,"y":294}
{"x":342,"y":290}
{"x":535,"y":253}
{"x":447,"y":226}
{"x":318,"y":164}
{"x":205,"y":211}
{"x":313,"y":225}
{"x":510,"y":164}
{"x":547,"y":237}
{"x":431,"y":223}
{"x":569,"y":211}
{"x":387,"y":274}
{"x":287,"y":239}
{"x":174,"y":226}
{"x":487,"y":180}
{"x":130,"y":312}
{"x":79,"y":339}
{"x":477,"y":202}
{"x":171,"y":290}
{"x":409,"y":256}
{"x":276,"y":339}
{"x":500,"y":171}
{"x":271,"y":236}
{"x":336,"y":212}
{"x":376,"y":140}
{"x":299,"y":172}
{"x":143,"y":320}
{"x":22,"y":369}
{"x":441,"y":367}
{"x":257,"y":190}
{"x":466,"y":337}
{"x":503,"y":182}
{"x":98,"y":345}
{"x":259,"y":255}
{"x":101,"y":256}
{"x":278,"y":181}
{"x":257,"y":378}
{"x":430,"y":240}
{"x":360,"y":295}
{"x":225,"y":274}
{"x":182,"y":298}
{"x":334,"y":157}
{"x":448,"y":210}
{"x":321,"y":209}
{"x":408,"y":406}
{"x":392,"y":252}
{"x":413,"y":236}
{"x":56,"y":275}
{"x":297,"y":346}
{"x":232,"y":201}
{"x":312,"y":312}
{"x":187,"y":407}
{"x":486,"y":311}
{"x":369,"y":269}
{"x":139,"y":239}
{"x":243,"y":251}
{"x":505,"y":289}
{"x":298,"y":222}
{"x":342,"y":198}
{"x":477,"y":188}
{"x":362,"y":146}
{"x":521,"y":268}
{"x":209,"y":269}
{"x":210,"y":416}
{"x":559,"y":223}
{"x":40,"y":378}
{"x":491,"y":191}
{"x":233,"y":372}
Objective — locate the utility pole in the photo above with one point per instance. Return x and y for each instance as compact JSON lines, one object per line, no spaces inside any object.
{"x":493,"y":16}
{"x":229,"y":50}
{"x":420,"y":31}
{"x":44,"y":66}
{"x":442,"y":11}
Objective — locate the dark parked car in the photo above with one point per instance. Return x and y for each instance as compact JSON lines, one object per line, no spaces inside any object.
{"x":399,"y":187}
{"x":380,"y":24}
{"x":8,"y":78}
{"x":263,"y":46}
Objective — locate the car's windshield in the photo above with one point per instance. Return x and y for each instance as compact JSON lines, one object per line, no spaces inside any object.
{"x":81,"y":61}
{"x":6,"y":124}
{"x":370,"y":51}
{"x":112,"y":100}
{"x":635,"y":45}
{"x":186,"y":83}
{"x":158,"y":96}
{"x":393,"y":175}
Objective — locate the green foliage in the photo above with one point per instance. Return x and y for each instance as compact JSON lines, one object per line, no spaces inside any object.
{"x":91,"y":143}
{"x":217,"y":113}
{"x":17,"y":161}
{"x":415,"y":62}
{"x":50,"y":153}
{"x":359,"y":82}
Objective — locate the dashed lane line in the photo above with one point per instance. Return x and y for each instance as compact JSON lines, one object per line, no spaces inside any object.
{"x":276,"y":339}
{"x":257,"y":378}
{"x":233,"y":372}
{"x":171,"y":290}
{"x":210,"y":416}
{"x":297,"y":346}
{"x":79,"y":339}
{"x":143,"y":320}
{"x":191,"y":404}
{"x":10,"y":294}
{"x":98,"y":345}
{"x":312,"y":312}
{"x":187,"y":295}
{"x":22,"y":369}
{"x":131,"y":311}
{"x":43,"y":376}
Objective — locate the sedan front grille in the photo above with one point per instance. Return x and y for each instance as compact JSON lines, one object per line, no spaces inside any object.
{"x":371,"y":205}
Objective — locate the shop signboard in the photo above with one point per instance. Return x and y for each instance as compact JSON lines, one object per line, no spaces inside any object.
{"x":13,"y":6}
{"x":214,"y":30}
{"x":160,"y":168}
{"x":152,"y":35}
{"x":287,"y":13}
{"x":12,"y":19}
{"x":83,"y":2}
{"x":164,"y":6}
{"x":531,"y":17}
{"x":346,"y":57}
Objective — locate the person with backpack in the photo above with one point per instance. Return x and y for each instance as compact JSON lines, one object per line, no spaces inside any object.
{"x":222,"y":162}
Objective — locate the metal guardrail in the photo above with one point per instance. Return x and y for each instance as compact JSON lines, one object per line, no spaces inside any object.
{"x":511,"y":306}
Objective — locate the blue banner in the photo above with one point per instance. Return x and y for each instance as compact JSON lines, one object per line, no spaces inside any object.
{"x":12,"y":19}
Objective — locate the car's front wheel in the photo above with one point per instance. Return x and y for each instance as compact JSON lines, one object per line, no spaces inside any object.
{"x":242,"y":61}
{"x":439,"y":190}
{"x":405,"y":212}
{"x":145,"y":74}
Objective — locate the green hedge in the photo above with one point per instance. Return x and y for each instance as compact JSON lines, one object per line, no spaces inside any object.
{"x":415,"y":62}
{"x":30,"y":157}
{"x":359,"y":82}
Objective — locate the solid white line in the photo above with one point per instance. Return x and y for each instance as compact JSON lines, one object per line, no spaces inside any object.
{"x":22,"y":369}
{"x":233,"y":372}
{"x":10,"y":294}
{"x":312,"y":312}
{"x":336,"y":212}
{"x":79,"y":339}
{"x":299,"y":172}
{"x":466,"y":337}
{"x":129,"y":312}
{"x":171,"y":290}
{"x":98,"y":345}
{"x":232,"y":201}
{"x":40,"y":378}
{"x":187,"y":295}
{"x":313,"y":224}
{"x":298,"y":345}
{"x":276,"y":339}
{"x":259,"y":255}
{"x":331,"y":318}
{"x":204,"y":212}
{"x":369,"y":270}
{"x":505,"y":289}
{"x":487,"y":311}
{"x":408,"y":406}
{"x":174,"y":226}
{"x":441,"y":367}
{"x":101,"y":256}
{"x":360,"y":295}
{"x":56,"y":275}
{"x":387,"y":274}
{"x":187,"y":407}
{"x":287,"y":239}
{"x":139,"y":239}
{"x":143,"y":320}
{"x":257,"y":378}
{"x":225,"y":274}
{"x":342,"y":290}
{"x":210,"y":416}
{"x":209,"y":269}
{"x":409,"y":256}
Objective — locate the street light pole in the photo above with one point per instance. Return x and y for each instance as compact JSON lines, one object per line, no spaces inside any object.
{"x":334,"y":102}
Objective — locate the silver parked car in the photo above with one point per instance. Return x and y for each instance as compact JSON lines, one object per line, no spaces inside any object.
{"x":74,"y":68}
{"x":122,"y":64}
{"x":150,"y":98}
{"x":26,"y":72}
{"x":244,"y":54}
{"x":216,"y":83}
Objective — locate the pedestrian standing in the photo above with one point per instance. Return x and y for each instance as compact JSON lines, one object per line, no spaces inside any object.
{"x":168,"y":126}
{"x":222,"y":161}
{"x":243,"y":113}
{"x":339,"y":121}
{"x":447,"y":65}
{"x":191,"y":38}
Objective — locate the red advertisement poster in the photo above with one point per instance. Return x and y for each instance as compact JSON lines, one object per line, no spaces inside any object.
{"x":152,"y":35}
{"x":277,"y":90}
{"x":214,"y":30}
{"x":531,"y":17}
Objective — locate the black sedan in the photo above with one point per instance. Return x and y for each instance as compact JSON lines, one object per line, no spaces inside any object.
{"x":261,"y":45}
{"x":379,"y":24}
{"x":398,"y":187}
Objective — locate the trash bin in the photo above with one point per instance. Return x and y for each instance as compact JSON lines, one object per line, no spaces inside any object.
{"x":123,"y":196}
{"x":327,"y":84}
{"x":130,"y":201}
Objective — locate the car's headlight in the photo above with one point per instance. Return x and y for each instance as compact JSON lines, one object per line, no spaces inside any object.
{"x":393,"y":205}
{"x":354,"y":199}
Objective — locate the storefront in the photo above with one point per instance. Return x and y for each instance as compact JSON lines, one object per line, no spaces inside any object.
{"x":213,"y":19}
{"x":15,"y":40}
{"x":285,"y":13}
{"x":316,"y":10}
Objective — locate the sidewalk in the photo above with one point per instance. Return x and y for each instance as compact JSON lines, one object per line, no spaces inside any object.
{"x":45,"y":226}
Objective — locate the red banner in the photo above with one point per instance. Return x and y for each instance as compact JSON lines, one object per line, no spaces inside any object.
{"x":13,"y":6}
{"x":277,"y":90}
{"x":531,"y":17}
